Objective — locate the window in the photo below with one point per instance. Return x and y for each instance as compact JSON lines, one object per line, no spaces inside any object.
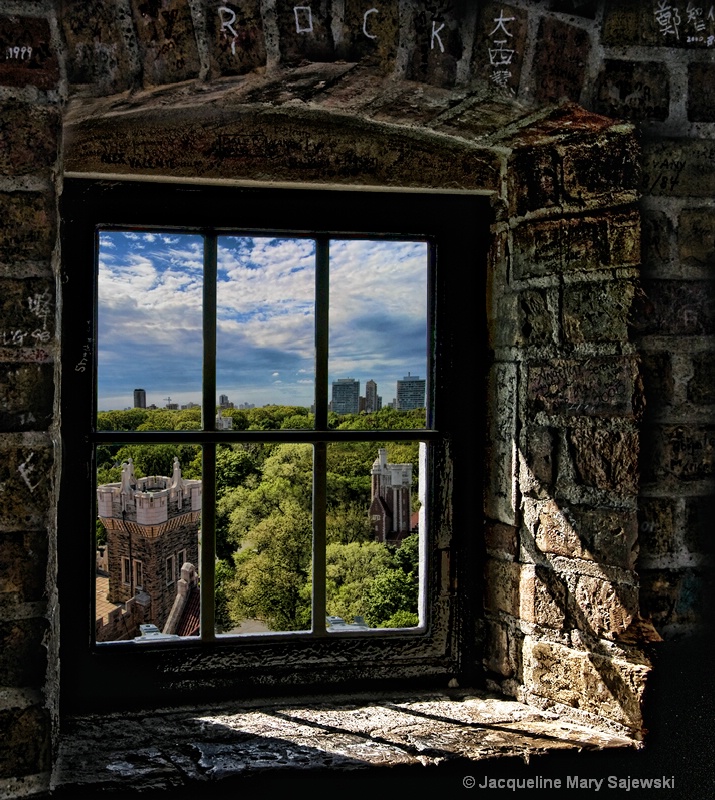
{"x":138,"y":575}
{"x":170,"y":570}
{"x":326,"y":232}
{"x":126,"y":571}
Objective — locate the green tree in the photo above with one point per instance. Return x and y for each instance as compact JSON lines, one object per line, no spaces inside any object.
{"x":271,"y":571}
{"x":392,"y":591}
{"x":350,"y":568}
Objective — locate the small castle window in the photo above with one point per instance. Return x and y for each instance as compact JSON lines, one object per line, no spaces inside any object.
{"x":291,"y":302}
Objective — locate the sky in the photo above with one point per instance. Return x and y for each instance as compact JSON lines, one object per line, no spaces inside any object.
{"x":150,"y":331}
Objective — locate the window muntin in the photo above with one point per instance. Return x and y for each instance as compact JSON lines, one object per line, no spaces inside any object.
{"x":149,"y":323}
{"x":455,"y":226}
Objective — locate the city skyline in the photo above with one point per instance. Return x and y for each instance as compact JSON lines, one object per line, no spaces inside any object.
{"x":150,"y":328}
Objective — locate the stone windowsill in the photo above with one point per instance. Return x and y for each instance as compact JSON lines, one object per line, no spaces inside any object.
{"x":179,"y":748}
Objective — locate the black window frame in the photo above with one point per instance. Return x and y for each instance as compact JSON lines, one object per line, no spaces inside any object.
{"x":94,"y":677}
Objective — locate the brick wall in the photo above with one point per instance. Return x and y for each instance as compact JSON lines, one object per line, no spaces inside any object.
{"x":606,"y":488}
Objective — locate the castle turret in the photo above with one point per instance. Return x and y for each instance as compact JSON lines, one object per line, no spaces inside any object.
{"x":152,"y":529}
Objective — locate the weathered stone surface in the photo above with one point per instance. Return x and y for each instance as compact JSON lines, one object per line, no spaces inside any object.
{"x":500,"y":500}
{"x":577,"y":8}
{"x":502,"y":539}
{"x":23,"y":658}
{"x":603,"y":535}
{"x":602,"y":386}
{"x":701,"y":92}
{"x":679,"y":167}
{"x":28,"y":57}
{"x":560,"y":62}
{"x":27,"y":311}
{"x":606,"y":535}
{"x":675,"y":308}
{"x":537,"y":469}
{"x":296,"y":737}
{"x":606,"y":459}
{"x":696,"y":237}
{"x":371,"y":33}
{"x":596,"y":167}
{"x":597,"y":312}
{"x":698,"y":535}
{"x":523,"y":319}
{"x":497,"y":650}
{"x":575,"y":244}
{"x":26,"y":396}
{"x":25,"y":477}
{"x":675,"y":453}
{"x":500,"y":46}
{"x":667,"y":24}
{"x":638,"y":90}
{"x":542,"y":597}
{"x":439,"y":41}
{"x":23,"y":565}
{"x":27,"y":225}
{"x":29,"y":138}
{"x":603,"y":607}
{"x":701,"y":387}
{"x":656,"y":526}
{"x":96,"y":55}
{"x":586,"y":681}
{"x":236,"y":39}
{"x":165,"y":31}
{"x":26,"y":741}
{"x":658,"y":382}
{"x":674,"y":597}
{"x":656,"y":234}
{"x":305,"y":31}
{"x":501,"y":590}
{"x":286,"y":145}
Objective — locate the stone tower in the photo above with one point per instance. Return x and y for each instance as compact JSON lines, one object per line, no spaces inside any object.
{"x":391,"y":499}
{"x":152,"y":530}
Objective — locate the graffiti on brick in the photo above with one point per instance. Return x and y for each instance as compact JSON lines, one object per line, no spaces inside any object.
{"x":19,"y":53}
{"x":18,"y":338}
{"x":692,"y":24}
{"x":228,"y":17}
{"x":667,"y":174}
{"x":364,"y":23}
{"x":26,"y":469}
{"x":40,"y":304}
{"x":303,"y":20}
{"x":500,"y":54}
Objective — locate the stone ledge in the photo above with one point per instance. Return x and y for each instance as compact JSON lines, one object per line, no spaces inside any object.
{"x":179,"y":748}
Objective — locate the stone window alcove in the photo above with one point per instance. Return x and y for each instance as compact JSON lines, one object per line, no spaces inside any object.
{"x":554,"y":594}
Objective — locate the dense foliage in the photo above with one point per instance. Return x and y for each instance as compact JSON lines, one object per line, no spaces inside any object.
{"x":264,"y":515}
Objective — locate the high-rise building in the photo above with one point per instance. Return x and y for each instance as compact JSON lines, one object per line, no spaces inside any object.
{"x":139,"y":398}
{"x":346,"y":396}
{"x":373,"y":402}
{"x":411,"y":392}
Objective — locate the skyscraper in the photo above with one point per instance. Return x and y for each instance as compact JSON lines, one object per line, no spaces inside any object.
{"x":139,"y":398}
{"x":373,"y":402}
{"x":411,"y":392}
{"x":346,"y":396}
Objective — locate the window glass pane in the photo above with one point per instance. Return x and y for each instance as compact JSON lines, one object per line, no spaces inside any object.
{"x":264,"y":538}
{"x":265,"y":327}
{"x":378,"y":330}
{"x":148,"y":512}
{"x":373,"y":535}
{"x":149,"y":324}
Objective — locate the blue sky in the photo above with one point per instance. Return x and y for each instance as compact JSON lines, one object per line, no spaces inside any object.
{"x":149,"y":331}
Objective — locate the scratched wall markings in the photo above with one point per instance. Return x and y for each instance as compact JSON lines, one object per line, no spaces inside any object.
{"x":500,"y":54}
{"x":303,"y":19}
{"x":689,"y":24}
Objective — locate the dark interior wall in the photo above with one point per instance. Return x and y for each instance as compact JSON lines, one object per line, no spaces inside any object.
{"x":623,"y":59}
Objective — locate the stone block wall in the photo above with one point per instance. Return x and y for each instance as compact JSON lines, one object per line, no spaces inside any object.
{"x":601,"y":484}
